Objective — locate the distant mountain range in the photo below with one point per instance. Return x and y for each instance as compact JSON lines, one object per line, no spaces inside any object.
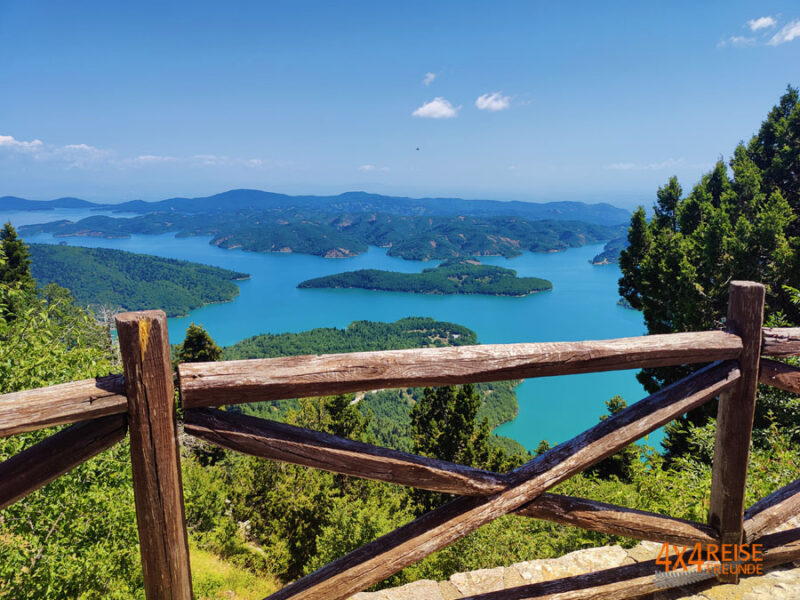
{"x":349,"y":202}
{"x":345,"y":225}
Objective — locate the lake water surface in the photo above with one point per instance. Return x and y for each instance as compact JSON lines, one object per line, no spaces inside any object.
{"x":582,"y":305}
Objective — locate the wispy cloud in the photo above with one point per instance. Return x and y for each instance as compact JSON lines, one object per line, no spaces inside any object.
{"x":71,"y":156}
{"x":737,"y":40}
{"x":84,"y":156}
{"x":493,"y":102}
{"x":438,"y":108}
{"x":621,"y":166}
{"x":372,"y":168}
{"x":670,"y":163}
{"x":429,"y":77}
{"x":761,"y":23}
{"x":789,"y":32}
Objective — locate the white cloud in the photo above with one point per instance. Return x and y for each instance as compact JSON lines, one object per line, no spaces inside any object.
{"x":737,"y":40}
{"x":70,"y":155}
{"x":152,"y":158}
{"x":761,"y":23}
{"x":429,"y":77}
{"x":621,"y":166}
{"x":372,"y":168}
{"x":438,"y":108}
{"x":81,"y":156}
{"x":493,"y":102}
{"x":8,"y":142}
{"x":789,"y":32}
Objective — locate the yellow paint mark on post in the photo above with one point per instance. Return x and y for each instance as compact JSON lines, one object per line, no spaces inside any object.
{"x":144,"y":334}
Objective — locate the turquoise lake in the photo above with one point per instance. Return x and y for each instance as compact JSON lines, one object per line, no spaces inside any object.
{"x":582,"y":305}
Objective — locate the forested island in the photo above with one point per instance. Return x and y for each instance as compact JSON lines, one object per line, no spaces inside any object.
{"x":344,"y":226}
{"x":457,"y":276}
{"x":389,"y":410}
{"x":129,"y":281}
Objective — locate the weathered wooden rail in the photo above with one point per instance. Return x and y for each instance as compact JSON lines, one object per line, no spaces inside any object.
{"x":142,"y":403}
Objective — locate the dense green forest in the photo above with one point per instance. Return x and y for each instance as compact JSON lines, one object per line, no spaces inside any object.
{"x":359,"y":336}
{"x":127,"y":281}
{"x":341,"y":235}
{"x":455,"y":276}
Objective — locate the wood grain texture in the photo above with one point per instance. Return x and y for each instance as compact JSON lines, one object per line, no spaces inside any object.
{"x":412,"y":542}
{"x":618,"y":520}
{"x":780,"y":375}
{"x":286,"y":443}
{"x":735,"y":418}
{"x":769,"y":512}
{"x":234,"y":382}
{"x":157,"y":486}
{"x":43,"y":462}
{"x":780,"y":341}
{"x":781,"y":547}
{"x":61,"y":404}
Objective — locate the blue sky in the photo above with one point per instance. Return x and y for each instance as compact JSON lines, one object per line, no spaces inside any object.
{"x":507,"y":100}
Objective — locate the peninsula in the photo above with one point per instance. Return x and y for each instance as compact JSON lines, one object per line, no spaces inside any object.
{"x":131,"y":281}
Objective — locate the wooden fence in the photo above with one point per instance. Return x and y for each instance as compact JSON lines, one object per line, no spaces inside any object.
{"x":142,"y":402}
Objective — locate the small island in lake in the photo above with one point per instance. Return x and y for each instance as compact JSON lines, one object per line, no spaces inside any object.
{"x":455,"y":276}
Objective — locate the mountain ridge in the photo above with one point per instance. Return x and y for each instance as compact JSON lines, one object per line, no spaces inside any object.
{"x":601,"y":213}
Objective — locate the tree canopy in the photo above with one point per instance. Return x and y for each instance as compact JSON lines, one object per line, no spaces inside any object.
{"x":739,"y":222}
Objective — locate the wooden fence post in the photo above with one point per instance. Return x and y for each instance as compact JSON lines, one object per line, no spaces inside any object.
{"x":735,"y":418}
{"x":155,"y":461}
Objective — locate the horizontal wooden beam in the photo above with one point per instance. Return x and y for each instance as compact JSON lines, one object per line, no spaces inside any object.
{"x":781,"y":547}
{"x":766,"y":514}
{"x":780,"y":375}
{"x":286,"y":443}
{"x":61,"y":404}
{"x":389,"y":554}
{"x":40,"y":464}
{"x":618,"y":520}
{"x":780,"y":341}
{"x":233,"y":382}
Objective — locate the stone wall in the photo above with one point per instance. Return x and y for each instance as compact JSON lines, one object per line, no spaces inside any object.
{"x":777,"y":584}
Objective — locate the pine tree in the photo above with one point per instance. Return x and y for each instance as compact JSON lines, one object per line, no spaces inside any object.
{"x":16,"y":268}
{"x":198,"y":346}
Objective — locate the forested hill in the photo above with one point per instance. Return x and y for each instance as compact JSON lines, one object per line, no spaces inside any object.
{"x":389,"y":409}
{"x":349,"y":202}
{"x":343,"y":226}
{"x":118,"y":279}
{"x":450,"y":277}
{"x":348,"y":234}
{"x":359,"y":336}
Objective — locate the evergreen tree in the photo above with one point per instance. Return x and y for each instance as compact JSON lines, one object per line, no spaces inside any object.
{"x":620,"y":465}
{"x":16,"y":268}
{"x":741,"y":224}
{"x":444,"y":425}
{"x":198,"y":346}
